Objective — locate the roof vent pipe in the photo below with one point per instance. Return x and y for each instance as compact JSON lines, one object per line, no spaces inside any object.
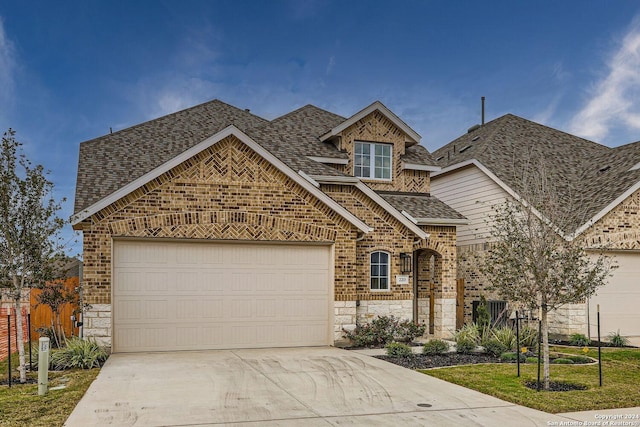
{"x":482,"y":100}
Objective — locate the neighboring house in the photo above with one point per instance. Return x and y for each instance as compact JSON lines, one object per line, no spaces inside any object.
{"x":214,"y":228}
{"x":601,"y":190}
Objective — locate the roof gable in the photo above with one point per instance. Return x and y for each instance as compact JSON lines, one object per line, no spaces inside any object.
{"x":504,"y":148}
{"x":376,"y":106}
{"x":110,"y":162}
{"x":203,"y":145}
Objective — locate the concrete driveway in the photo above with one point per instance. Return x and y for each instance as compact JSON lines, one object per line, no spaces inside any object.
{"x":321,"y":386}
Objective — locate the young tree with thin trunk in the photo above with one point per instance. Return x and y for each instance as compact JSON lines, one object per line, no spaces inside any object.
{"x":29,"y":226}
{"x":531,"y":262}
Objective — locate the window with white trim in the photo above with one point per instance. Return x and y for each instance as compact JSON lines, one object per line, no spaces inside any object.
{"x":372,"y":160}
{"x":380,"y":271}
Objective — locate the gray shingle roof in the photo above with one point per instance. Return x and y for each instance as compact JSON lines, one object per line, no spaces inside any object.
{"x":509,"y":145}
{"x":112,"y":161}
{"x":108,"y":163}
{"x":294,"y":137}
{"x":418,"y":155}
{"x":420,"y":205}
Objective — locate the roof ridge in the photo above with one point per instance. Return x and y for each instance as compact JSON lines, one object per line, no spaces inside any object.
{"x":307,"y":106}
{"x":175,"y":113}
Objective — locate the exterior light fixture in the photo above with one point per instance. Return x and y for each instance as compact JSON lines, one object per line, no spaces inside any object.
{"x":405,"y":262}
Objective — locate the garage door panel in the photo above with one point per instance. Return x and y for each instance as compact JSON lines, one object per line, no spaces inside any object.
{"x":619,"y":298}
{"x":203,"y":296}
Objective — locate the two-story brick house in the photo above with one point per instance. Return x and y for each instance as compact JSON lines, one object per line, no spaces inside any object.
{"x":214,"y":228}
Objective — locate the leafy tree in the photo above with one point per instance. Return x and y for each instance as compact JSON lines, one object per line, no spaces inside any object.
{"x":29,"y":226}
{"x":532,"y":262}
{"x":56,"y":295}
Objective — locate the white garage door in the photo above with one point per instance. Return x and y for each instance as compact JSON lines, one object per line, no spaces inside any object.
{"x":619,"y":300}
{"x":188,"y":296}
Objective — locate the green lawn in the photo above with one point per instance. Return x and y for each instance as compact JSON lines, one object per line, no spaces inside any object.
{"x":21,"y":406}
{"x":620,"y":389}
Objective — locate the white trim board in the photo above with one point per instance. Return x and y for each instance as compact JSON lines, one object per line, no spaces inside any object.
{"x":329,"y":160}
{"x":417,"y":167}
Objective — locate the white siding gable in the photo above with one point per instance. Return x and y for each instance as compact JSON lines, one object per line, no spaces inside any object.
{"x":472,"y":193}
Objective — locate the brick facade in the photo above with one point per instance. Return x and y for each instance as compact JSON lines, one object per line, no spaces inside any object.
{"x":619,"y":229}
{"x":229,"y":192}
{"x":375,"y":127}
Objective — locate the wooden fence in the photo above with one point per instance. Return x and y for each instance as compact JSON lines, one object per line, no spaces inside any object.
{"x":6,"y":335}
{"x":42,"y":316}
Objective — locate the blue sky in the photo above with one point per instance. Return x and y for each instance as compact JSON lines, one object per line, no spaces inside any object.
{"x":70,"y":70}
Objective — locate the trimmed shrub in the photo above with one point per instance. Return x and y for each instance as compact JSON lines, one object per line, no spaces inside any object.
{"x":407,"y":331}
{"x":618,"y":340}
{"x":465,"y":345}
{"x":378,"y":332}
{"x":495,"y":347}
{"x":83,"y":354}
{"x":578,"y":359}
{"x":579,"y":340}
{"x":397,"y":349}
{"x":531,"y":360}
{"x":383,"y":330}
{"x":435,"y":346}
{"x":562,"y":361}
{"x":511,"y":357}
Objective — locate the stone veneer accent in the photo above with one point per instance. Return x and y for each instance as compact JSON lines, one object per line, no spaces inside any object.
{"x":568,"y":319}
{"x":344,"y":319}
{"x":369,"y":310}
{"x":445,"y":322}
{"x":97,"y":323}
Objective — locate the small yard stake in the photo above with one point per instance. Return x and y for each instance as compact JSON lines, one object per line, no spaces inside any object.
{"x":29,"y":326}
{"x":539,"y":351}
{"x":599,"y":349}
{"x":518,"y":342}
{"x":9,"y":339}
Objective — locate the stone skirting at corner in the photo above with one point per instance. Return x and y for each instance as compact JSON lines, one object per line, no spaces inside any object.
{"x":568,"y":319}
{"x":368,"y":310}
{"x":97,"y":323}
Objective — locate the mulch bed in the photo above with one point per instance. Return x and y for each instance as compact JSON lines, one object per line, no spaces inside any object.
{"x":556,"y":386}
{"x":422,"y":361}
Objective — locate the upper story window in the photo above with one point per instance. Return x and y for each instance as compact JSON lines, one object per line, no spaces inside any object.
{"x":372,"y":160}
{"x":380,"y":271}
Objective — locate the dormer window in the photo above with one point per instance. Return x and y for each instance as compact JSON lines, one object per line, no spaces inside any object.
{"x":372,"y":160}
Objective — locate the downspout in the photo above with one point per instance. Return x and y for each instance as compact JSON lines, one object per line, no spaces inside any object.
{"x":416,"y":318}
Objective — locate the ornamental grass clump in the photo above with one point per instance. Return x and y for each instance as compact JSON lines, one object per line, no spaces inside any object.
{"x":79,"y":354}
{"x":505,"y":336}
{"x":467,"y":338}
{"x":618,"y":340}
